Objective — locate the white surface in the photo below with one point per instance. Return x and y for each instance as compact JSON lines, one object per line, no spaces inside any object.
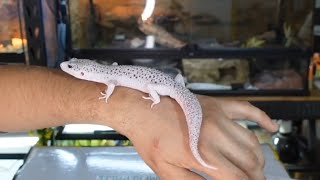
{"x":150,"y":42}
{"x":8,"y":168}
{"x":285,"y":126}
{"x":84,"y":128}
{"x":106,"y":163}
{"x":12,"y":150}
{"x":16,"y":142}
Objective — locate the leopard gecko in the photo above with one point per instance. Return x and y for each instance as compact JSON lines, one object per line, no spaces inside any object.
{"x":147,"y":80}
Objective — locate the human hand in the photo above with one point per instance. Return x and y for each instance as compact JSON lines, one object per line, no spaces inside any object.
{"x":160,"y":136}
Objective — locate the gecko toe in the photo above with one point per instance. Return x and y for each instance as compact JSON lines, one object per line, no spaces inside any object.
{"x":104,"y":97}
{"x":146,"y":97}
{"x":152,"y":105}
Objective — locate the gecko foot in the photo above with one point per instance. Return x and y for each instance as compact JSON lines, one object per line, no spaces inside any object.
{"x":150,"y":99}
{"x":104,"y":96}
{"x":153,"y":105}
{"x":153,"y":101}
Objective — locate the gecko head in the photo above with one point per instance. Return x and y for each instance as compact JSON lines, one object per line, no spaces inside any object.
{"x":80,"y":68}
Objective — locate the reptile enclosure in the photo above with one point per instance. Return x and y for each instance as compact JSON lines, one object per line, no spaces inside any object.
{"x":221,"y":47}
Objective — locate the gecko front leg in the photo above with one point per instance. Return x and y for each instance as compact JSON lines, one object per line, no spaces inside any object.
{"x":153,"y":94}
{"x":107,"y":93}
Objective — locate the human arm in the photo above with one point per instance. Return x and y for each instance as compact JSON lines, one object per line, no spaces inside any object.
{"x":34,"y":97}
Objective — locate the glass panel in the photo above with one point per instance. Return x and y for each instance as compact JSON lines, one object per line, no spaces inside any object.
{"x":245,"y":74}
{"x":11,"y":40}
{"x":233,"y":74}
{"x":175,"y":23}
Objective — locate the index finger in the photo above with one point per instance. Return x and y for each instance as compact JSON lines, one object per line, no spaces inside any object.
{"x":245,"y":111}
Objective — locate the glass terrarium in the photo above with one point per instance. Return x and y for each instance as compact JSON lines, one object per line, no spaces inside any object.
{"x":219,"y":45}
{"x":256,"y":76}
{"x":175,"y":23}
{"x":12,"y":41}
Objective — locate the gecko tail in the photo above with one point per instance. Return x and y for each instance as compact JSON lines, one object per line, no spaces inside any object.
{"x":193,"y":112}
{"x":196,"y":154}
{"x":204,"y":164}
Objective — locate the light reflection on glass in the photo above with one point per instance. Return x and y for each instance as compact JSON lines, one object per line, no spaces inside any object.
{"x":148,"y":9}
{"x":66,"y":158}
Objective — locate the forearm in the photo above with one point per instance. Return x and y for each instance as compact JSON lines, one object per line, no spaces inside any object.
{"x":35,"y":97}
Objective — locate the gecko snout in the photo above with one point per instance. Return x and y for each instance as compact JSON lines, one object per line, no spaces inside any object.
{"x":69,"y":66}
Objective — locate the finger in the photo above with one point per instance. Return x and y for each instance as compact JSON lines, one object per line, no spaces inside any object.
{"x":244,"y":110}
{"x":225,"y":169}
{"x":248,"y":139}
{"x":168,"y":172}
{"x":230,"y":154}
{"x":241,"y":156}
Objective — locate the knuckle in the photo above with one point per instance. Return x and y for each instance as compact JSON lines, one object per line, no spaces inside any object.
{"x":254,"y":141}
{"x":256,"y":158}
{"x":252,"y":163}
{"x":262,"y":163}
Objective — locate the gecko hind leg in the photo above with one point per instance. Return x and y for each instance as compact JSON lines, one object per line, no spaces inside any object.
{"x":153,"y":95}
{"x":107,"y":93}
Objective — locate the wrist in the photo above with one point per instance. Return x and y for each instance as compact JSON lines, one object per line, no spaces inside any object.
{"x":128,"y":113}
{"x":77,"y":102}
{"x":119,"y":112}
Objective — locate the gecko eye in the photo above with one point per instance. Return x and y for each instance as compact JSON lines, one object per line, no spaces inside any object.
{"x":69,"y":66}
{"x":82,"y":74}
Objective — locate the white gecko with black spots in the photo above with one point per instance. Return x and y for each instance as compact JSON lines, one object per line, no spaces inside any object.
{"x":148,"y":80}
